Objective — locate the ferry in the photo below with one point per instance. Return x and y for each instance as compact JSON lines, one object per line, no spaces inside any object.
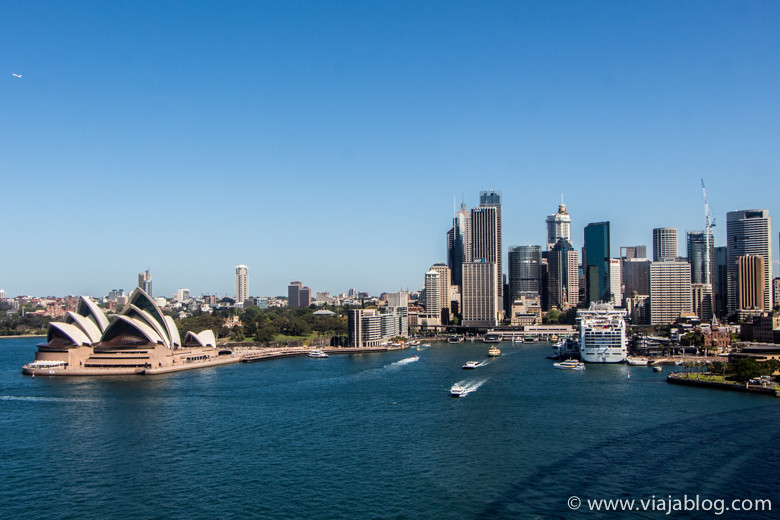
{"x":471,"y":364}
{"x":317,"y":354}
{"x":455,"y":339}
{"x":494,"y":351}
{"x":457,"y":391}
{"x":492,"y":337}
{"x":637,"y":361}
{"x":570,"y":364}
{"x":602,"y":334}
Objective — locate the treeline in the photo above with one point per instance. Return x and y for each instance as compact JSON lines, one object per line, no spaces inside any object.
{"x":17,"y":325}
{"x":267,"y":325}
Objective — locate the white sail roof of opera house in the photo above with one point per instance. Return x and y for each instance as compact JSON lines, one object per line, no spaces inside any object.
{"x":141,"y":322}
{"x":131,"y":311}
{"x":202,"y":339}
{"x":175,"y":338}
{"x":89,"y":309}
{"x":59,"y":330}
{"x":86,"y":325}
{"x":125,"y":331}
{"x":142,"y":301}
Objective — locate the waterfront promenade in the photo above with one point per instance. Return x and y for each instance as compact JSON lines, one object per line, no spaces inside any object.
{"x":183,"y":360}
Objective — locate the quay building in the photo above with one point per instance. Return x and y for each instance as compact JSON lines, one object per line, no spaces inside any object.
{"x":139,"y":338}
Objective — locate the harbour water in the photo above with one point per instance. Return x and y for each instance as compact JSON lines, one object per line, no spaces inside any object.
{"x":376,"y":436}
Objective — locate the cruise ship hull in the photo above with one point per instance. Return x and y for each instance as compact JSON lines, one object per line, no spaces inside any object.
{"x":611,"y":356}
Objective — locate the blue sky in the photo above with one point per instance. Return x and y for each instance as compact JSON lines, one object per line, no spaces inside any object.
{"x":325,"y":141}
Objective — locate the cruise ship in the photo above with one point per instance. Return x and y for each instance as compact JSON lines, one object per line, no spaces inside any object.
{"x":602,"y":334}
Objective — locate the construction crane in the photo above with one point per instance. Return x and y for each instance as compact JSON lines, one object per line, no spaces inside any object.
{"x":709,"y":223}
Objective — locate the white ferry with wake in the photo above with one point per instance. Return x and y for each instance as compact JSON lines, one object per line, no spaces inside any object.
{"x":602,"y":334}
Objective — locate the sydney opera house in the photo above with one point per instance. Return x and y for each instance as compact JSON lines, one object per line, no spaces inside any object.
{"x":139,"y":340}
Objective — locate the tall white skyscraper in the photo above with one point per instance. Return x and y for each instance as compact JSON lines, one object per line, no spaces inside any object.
{"x":433,"y":293}
{"x":242,"y":283}
{"x":616,"y":281}
{"x":445,"y":282}
{"x":558,"y":226}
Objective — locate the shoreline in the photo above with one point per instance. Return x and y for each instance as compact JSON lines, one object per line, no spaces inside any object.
{"x":250,"y":356}
{"x":24,"y":336}
{"x":677,"y":378}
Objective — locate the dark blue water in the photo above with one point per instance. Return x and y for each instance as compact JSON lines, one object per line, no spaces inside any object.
{"x":375,"y":436}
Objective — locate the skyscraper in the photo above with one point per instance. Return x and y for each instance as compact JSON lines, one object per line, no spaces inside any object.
{"x":433,"y":296}
{"x":437,"y":291}
{"x":558,"y":226}
{"x":750,"y":284}
{"x":596,"y":263}
{"x":459,"y":243}
{"x":633,"y":252}
{"x":670,"y":290}
{"x":563,"y":279}
{"x":480,"y":294}
{"x":664,"y":243}
{"x":485,"y":243}
{"x":636,"y":277}
{"x":242,"y":283}
{"x":748,"y":232}
{"x":697,"y":243}
{"x":298,"y":295}
{"x":525,"y":270}
{"x":616,"y":282}
{"x":720,"y":282}
{"x":145,"y":282}
{"x":492,"y":199}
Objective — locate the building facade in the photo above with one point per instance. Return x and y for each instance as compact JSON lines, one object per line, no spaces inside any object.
{"x":664,"y":244}
{"x":563,"y":287}
{"x":636,"y":277}
{"x":670,"y":291}
{"x":616,"y":281}
{"x":242,"y":283}
{"x":525,"y":270}
{"x":596,"y":263}
{"x":370,"y":328}
{"x":558,"y":226}
{"x":750,"y":284}
{"x":145,"y":282}
{"x":298,"y":295}
{"x":459,"y":243}
{"x":480,"y":300}
{"x":748,"y":232}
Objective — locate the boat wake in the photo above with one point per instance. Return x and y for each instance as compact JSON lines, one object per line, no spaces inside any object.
{"x":470,"y":385}
{"x":401,"y":362}
{"x":390,"y":367}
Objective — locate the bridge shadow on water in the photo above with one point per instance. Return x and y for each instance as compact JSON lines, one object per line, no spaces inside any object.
{"x":732,"y":455}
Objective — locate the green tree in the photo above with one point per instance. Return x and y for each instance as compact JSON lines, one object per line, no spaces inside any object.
{"x":553,"y":317}
{"x":746,"y":369}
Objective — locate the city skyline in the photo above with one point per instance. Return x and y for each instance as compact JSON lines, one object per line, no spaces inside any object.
{"x":207,"y":123}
